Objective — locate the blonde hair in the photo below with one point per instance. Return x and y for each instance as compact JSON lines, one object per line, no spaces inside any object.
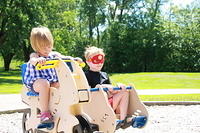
{"x":89,"y":51}
{"x":41,"y":37}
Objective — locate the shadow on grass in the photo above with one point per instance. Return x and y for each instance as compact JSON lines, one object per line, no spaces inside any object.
{"x":10,"y":81}
{"x":10,"y":73}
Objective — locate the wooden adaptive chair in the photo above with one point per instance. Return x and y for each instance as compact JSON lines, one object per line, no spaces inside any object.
{"x":76,"y":108}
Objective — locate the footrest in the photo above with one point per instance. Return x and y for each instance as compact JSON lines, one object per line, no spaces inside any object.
{"x":48,"y":126}
{"x":32,"y":93}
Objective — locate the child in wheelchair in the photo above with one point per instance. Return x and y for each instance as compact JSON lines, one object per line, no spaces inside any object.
{"x":118,"y":99}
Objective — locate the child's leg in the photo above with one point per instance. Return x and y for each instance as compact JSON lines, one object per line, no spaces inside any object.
{"x":120,"y":103}
{"x":42,"y":86}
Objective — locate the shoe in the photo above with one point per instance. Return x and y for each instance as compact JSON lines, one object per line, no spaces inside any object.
{"x":139,"y":121}
{"x":119,"y":124}
{"x":128,"y":121}
{"x":48,"y":126}
{"x":46,"y":117}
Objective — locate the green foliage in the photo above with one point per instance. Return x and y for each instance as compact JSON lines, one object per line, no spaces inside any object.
{"x":145,"y":41}
{"x":135,"y":34}
{"x":182,"y":35}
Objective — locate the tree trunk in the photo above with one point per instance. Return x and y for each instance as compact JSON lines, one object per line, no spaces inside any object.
{"x":7,"y":60}
{"x":90,"y":28}
{"x":98,"y":36}
{"x":26,"y":51}
{"x":1,"y":39}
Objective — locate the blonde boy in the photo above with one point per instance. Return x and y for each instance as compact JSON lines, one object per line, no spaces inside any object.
{"x":118,"y":100}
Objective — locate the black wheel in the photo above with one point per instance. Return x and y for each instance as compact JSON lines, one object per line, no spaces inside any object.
{"x":84,"y":126}
{"x":77,"y":129}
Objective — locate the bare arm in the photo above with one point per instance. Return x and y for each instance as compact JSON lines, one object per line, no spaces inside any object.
{"x":59,"y":55}
{"x":70,"y":57}
{"x":34,"y":59}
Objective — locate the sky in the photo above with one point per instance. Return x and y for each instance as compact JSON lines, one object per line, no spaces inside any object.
{"x":181,"y":3}
{"x":165,"y":8}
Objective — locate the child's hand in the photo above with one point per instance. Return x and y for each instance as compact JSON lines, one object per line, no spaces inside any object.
{"x":41,"y":60}
{"x":78,"y":59}
{"x":69,"y":57}
{"x":110,"y":87}
{"x":122,"y":86}
{"x":110,"y":91}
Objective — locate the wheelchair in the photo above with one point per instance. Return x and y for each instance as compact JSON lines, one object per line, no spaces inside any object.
{"x":76,"y":108}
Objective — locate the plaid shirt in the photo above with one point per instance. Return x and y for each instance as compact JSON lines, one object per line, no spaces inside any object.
{"x":31,"y":74}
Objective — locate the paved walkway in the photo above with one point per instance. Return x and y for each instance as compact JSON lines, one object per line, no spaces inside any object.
{"x":12,"y":102}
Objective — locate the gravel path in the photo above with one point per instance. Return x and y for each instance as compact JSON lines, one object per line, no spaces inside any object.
{"x":162,"y":119}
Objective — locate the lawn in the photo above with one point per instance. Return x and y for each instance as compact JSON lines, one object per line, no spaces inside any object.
{"x":176,"y":97}
{"x":159,"y":80}
{"x":10,"y":82}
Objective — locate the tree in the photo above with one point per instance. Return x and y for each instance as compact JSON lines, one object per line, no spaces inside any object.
{"x":134,"y":32}
{"x":18,"y":18}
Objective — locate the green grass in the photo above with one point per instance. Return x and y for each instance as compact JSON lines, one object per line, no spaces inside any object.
{"x":157,"y":80}
{"x":176,"y":97}
{"x":10,"y":82}
{"x":14,"y":65}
